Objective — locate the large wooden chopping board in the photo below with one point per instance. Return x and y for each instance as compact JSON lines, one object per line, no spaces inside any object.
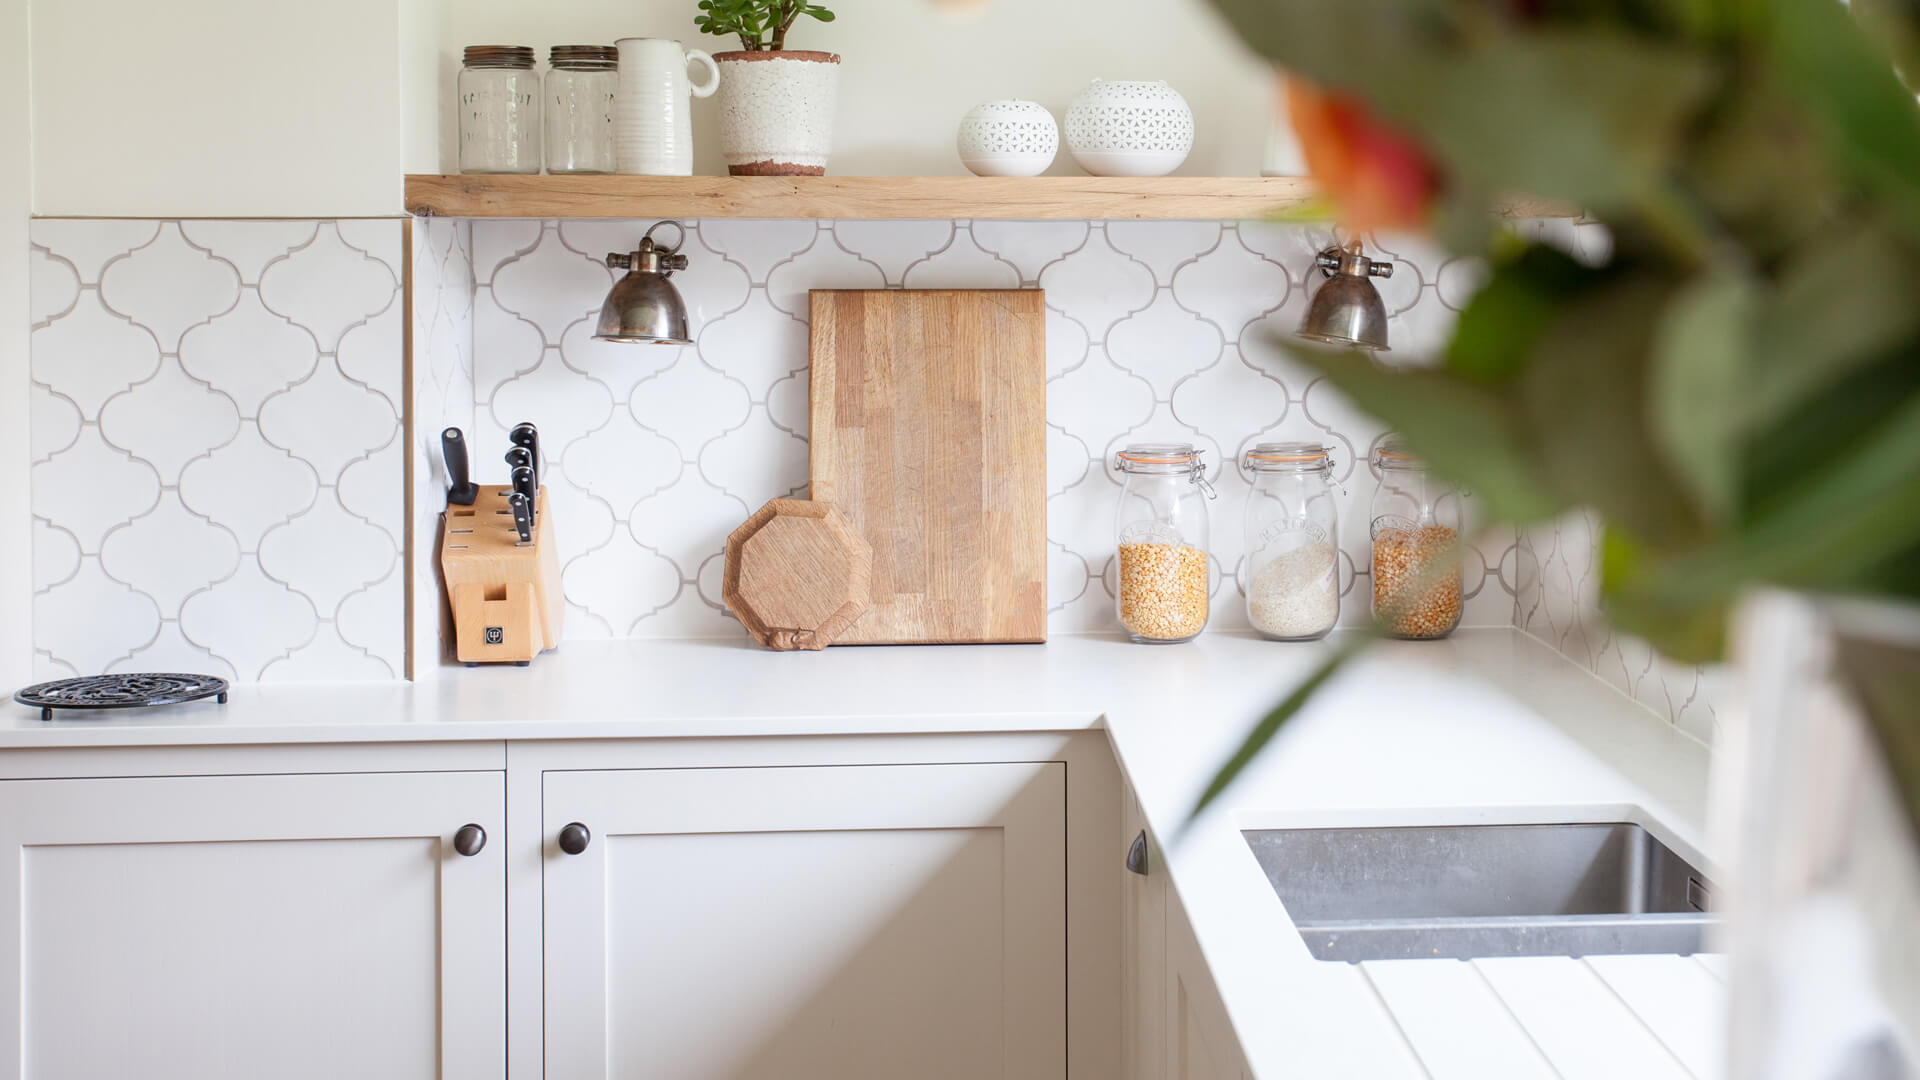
{"x":929,"y":413}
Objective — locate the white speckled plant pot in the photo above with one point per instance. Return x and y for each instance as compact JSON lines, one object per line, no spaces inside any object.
{"x":776,"y":111}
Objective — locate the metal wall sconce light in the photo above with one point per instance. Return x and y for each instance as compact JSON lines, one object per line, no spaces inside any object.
{"x":1347,"y":309}
{"x":644,"y":308}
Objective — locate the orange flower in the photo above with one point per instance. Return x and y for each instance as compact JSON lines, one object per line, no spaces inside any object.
{"x":1379,"y":178}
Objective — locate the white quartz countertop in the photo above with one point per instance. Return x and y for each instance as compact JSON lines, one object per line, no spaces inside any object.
{"x":1486,"y":726}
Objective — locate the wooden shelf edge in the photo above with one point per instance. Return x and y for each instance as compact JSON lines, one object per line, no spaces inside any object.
{"x":940,"y":198}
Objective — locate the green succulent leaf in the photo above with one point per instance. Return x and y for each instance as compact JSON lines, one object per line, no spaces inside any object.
{"x":1691,"y":629}
{"x":1465,"y":431}
{"x":1506,"y":317}
{"x":1843,"y":526}
{"x":1737,"y":392}
{"x":1868,"y":118}
{"x":1896,"y":25}
{"x":1700,"y":373}
{"x":1839,"y":304}
{"x":1590,"y":115}
{"x":1592,"y":118}
{"x":1365,"y":37}
{"x":1583,"y":401}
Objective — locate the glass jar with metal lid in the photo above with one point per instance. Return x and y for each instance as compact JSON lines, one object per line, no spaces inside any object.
{"x":580,"y":87}
{"x":1161,"y":530}
{"x":499,"y":96}
{"x":1293,"y":542}
{"x":1415,"y":527}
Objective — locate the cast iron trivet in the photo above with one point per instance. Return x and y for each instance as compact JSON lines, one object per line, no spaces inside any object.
{"x":121,"y":692}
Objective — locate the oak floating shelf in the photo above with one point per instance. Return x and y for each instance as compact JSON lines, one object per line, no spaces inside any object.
{"x":1194,"y":198}
{"x":855,"y":197}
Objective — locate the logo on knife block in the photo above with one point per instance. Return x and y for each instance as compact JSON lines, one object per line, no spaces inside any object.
{"x":496,"y":635}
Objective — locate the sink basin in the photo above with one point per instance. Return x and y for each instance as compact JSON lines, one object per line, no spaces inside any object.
{"x":1463,"y":891}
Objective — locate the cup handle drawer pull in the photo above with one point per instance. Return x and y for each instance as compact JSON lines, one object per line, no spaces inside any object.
{"x":1137,"y":854}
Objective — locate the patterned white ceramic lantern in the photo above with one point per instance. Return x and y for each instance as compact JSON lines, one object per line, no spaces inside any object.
{"x":1118,"y":128}
{"x":1008,"y":138}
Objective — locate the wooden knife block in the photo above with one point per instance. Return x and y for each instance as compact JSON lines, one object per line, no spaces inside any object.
{"x":506,"y":597}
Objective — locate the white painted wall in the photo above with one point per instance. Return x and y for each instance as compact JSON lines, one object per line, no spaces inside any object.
{"x":910,"y":69}
{"x":236,"y":108}
{"x":16,"y":518}
{"x":216,"y":108}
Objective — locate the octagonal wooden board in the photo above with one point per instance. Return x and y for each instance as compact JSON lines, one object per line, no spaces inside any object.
{"x":928,"y":412}
{"x":797,"y":574}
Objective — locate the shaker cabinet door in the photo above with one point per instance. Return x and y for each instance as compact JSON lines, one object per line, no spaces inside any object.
{"x":240,"y":927}
{"x":1200,"y":1041}
{"x":1144,"y":961}
{"x":806,"y":923}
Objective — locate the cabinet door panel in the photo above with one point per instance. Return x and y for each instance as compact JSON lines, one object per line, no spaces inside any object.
{"x":808,"y":922}
{"x":284,"y":926}
{"x":1144,"y":967}
{"x":1201,"y":1044}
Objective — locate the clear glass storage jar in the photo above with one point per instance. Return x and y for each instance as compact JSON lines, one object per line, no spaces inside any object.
{"x":1161,"y":530}
{"x":499,"y":96}
{"x":580,"y":86}
{"x":1415,"y":526}
{"x":1293,"y":542}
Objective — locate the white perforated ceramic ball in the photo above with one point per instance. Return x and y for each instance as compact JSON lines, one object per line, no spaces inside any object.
{"x":1117,"y":128}
{"x":1008,"y":138}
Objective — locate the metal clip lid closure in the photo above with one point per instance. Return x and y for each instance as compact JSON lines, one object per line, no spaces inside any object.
{"x":1292,"y":457}
{"x":1392,"y":453}
{"x":1287,"y":456}
{"x":1166,"y":458}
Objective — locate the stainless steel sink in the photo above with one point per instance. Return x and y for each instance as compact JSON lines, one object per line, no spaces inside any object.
{"x":1484,"y":890}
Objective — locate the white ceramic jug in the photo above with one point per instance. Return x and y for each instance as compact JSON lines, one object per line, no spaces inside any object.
{"x":653,"y":124}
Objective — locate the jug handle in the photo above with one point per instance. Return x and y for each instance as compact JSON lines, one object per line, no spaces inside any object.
{"x":712,"y":81}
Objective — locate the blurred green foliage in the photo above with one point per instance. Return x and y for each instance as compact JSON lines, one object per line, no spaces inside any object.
{"x":1736,"y":390}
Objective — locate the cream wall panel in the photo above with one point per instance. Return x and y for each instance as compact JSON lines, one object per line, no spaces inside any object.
{"x":228,"y":108}
{"x":16,"y":519}
{"x":429,"y":60}
{"x":912,"y":68}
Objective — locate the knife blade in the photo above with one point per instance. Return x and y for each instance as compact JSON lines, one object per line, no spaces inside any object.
{"x":526,"y":435}
{"x":522,"y":516}
{"x":525,"y":486}
{"x":453,"y":447}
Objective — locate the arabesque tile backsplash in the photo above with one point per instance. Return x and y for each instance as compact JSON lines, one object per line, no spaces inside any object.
{"x":1156,"y":330}
{"x":217,"y":463}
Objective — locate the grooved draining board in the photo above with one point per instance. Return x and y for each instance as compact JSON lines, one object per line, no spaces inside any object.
{"x":928,"y":412}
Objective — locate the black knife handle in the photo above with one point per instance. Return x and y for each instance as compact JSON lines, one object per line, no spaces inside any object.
{"x":522,"y":516}
{"x":519,"y":458}
{"x":453,"y":447}
{"x":523,"y":484}
{"x":526,"y":435}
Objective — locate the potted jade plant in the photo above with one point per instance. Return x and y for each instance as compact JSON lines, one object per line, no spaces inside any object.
{"x":776,"y":103}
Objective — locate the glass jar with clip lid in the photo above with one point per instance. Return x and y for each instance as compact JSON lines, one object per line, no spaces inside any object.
{"x":1293,"y":541}
{"x":1161,"y":530}
{"x":1415,"y":527}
